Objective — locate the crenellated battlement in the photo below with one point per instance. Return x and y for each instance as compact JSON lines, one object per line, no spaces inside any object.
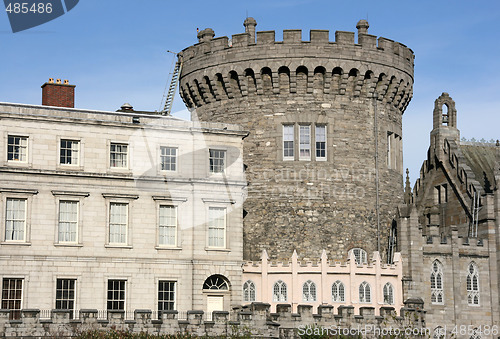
{"x":219,"y":69}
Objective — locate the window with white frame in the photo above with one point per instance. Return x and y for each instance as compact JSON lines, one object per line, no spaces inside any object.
{"x":116,"y":294}
{"x":217,"y":161}
{"x":288,"y":142}
{"x":279,"y":291}
{"x":168,"y":225}
{"x":320,"y":137}
{"x":118,"y":222}
{"x":473,"y":284}
{"x":68,"y":221}
{"x":17,"y":148}
{"x":217,"y":227}
{"x":69,"y":152}
{"x":365,"y":293}
{"x":168,"y":158}
{"x":338,"y":292}
{"x":360,"y":255}
{"x":309,"y":291}
{"x":166,"y":296}
{"x":15,"y":219}
{"x":249,"y":291}
{"x":437,"y":283}
{"x":118,"y":156}
{"x":12,"y":296}
{"x":388,"y":294}
{"x":305,"y":142}
{"x":65,"y":294}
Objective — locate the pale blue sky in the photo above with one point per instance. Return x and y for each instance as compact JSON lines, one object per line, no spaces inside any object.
{"x":115,"y":52}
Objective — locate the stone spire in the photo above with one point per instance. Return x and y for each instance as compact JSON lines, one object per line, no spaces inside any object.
{"x":408,"y":194}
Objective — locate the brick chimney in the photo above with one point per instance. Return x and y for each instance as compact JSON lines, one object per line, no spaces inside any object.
{"x":58,"y":94}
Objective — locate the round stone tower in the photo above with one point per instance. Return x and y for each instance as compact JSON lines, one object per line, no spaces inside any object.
{"x":324,"y":155}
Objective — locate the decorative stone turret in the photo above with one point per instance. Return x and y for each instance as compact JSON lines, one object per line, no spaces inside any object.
{"x":324,"y":102}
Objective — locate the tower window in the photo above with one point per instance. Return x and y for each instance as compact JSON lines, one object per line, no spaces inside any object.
{"x":473,"y":285}
{"x":305,"y":142}
{"x":320,"y":142}
{"x":288,"y":140}
{"x":437,"y":283}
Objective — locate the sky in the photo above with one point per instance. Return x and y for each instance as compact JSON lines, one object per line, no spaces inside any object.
{"x":115,"y":51}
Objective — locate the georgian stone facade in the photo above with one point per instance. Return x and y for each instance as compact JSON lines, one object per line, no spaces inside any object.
{"x":118,"y":210}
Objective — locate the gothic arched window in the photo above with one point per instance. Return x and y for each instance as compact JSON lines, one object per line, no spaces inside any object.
{"x":360,"y":255}
{"x":249,"y":291}
{"x":437,"y":283}
{"x":309,"y":291}
{"x":472,"y":284}
{"x":338,"y":292}
{"x":388,"y":294}
{"x":365,"y":293}
{"x":279,"y":291}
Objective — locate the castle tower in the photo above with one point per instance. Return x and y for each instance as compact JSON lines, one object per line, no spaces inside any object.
{"x":324,"y":155}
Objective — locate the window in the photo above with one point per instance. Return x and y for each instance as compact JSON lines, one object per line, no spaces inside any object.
{"x":118,"y":155}
{"x":279,"y":291}
{"x":65,"y":294}
{"x":436,"y":283}
{"x":116,"y":295}
{"x":168,"y":158}
{"x":365,"y":293}
{"x":69,"y":153}
{"x":473,"y":284}
{"x":360,"y":256}
{"x":17,"y":148}
{"x":338,"y":292}
{"x":216,"y":282}
{"x":68,"y":221}
{"x":217,"y":161}
{"x":388,"y":294}
{"x":389,"y":152}
{"x":249,"y":291}
{"x":304,"y":142}
{"x":118,"y":223}
{"x":288,"y":139}
{"x":309,"y":291}
{"x":15,"y":220}
{"x":168,"y":225}
{"x":216,"y":227}
{"x":166,"y":296}
{"x":321,"y":142}
{"x":12,"y":294}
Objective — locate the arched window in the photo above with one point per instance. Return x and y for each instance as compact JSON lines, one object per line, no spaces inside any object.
{"x":216,"y":282}
{"x":309,"y":291}
{"x":439,"y":333}
{"x":249,"y":291}
{"x":279,"y":291}
{"x":388,"y":294}
{"x":360,"y":255}
{"x":437,"y":283}
{"x":338,"y":294}
{"x":473,"y":284}
{"x":365,"y":295}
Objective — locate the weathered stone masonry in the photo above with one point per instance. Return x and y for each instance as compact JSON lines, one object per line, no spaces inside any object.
{"x":264,"y":84}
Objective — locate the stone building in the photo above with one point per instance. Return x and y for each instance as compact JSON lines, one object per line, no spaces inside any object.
{"x":324,"y":156}
{"x":448,"y":230}
{"x":118,"y":210}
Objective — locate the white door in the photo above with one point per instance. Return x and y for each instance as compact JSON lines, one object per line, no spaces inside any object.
{"x":214,"y":303}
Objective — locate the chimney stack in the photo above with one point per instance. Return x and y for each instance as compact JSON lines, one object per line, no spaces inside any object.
{"x":58,"y":94}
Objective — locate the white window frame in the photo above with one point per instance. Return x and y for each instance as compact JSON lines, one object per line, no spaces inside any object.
{"x":249,"y":291}
{"x":77,"y":151}
{"x":13,"y":315}
{"x":365,"y":293}
{"x":75,"y":222}
{"x":309,"y":291}
{"x":174,"y":301}
{"x":217,"y":168}
{"x":167,"y":157}
{"x":15,"y":219}
{"x":127,"y":206}
{"x":360,"y":255}
{"x":171,"y":227}
{"x":316,"y":137}
{"x":112,"y":162}
{"x":21,"y":147}
{"x":288,"y":138}
{"x":437,"y":283}
{"x":338,"y":292}
{"x":280,"y":293}
{"x":305,"y":139}
{"x":66,"y":299}
{"x":124,"y":300}
{"x":212,"y":227}
{"x":473,"y":296}
{"x":388,"y":293}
